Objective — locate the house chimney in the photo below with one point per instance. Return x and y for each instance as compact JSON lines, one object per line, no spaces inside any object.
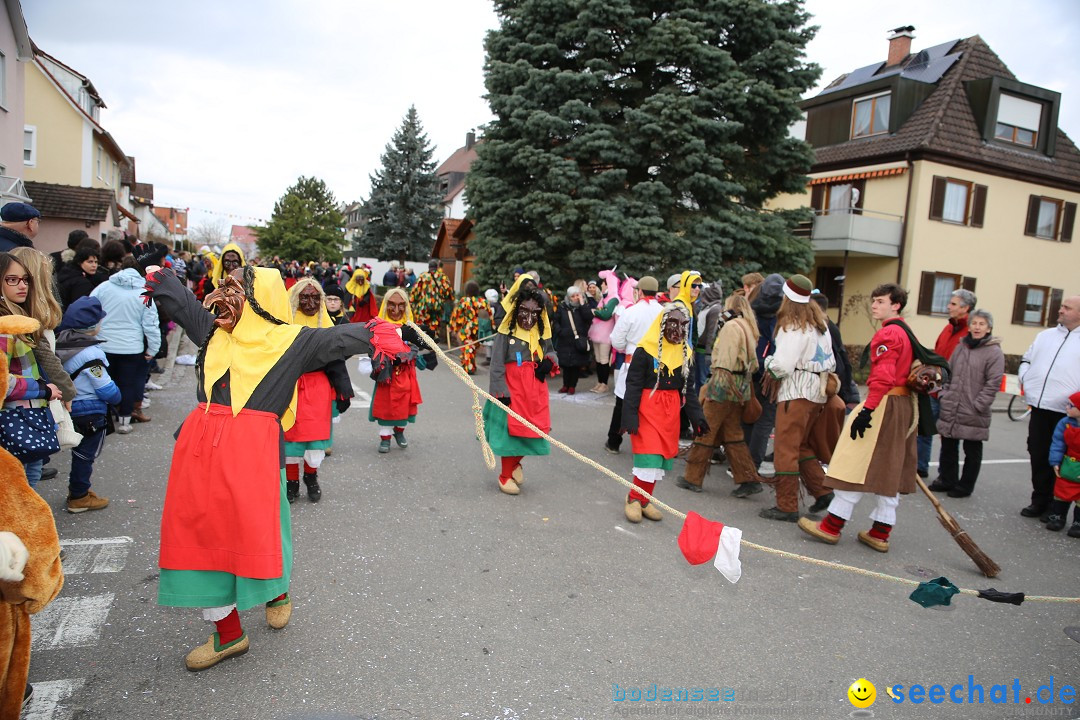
{"x":470,"y":140}
{"x":900,"y":44}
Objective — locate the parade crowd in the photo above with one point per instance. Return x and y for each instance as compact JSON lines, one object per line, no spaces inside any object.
{"x":700,"y":374}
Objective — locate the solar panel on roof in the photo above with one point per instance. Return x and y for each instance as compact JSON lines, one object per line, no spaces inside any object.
{"x":855,"y":77}
{"x":932,"y":71}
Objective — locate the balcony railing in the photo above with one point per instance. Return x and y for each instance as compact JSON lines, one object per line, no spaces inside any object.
{"x":868,"y":233}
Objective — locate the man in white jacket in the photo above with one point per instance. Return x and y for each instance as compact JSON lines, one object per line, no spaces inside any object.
{"x":631,"y":326}
{"x":1049,"y":373}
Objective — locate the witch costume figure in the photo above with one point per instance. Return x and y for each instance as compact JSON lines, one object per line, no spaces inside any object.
{"x":522,"y":357}
{"x":320,"y":396}
{"x":396,"y":398}
{"x":226,"y":541}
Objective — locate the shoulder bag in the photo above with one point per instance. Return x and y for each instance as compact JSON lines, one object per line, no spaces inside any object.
{"x":28,"y":433}
{"x":581,"y":343}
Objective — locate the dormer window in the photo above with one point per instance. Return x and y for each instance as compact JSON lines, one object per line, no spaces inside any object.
{"x":870,"y":115}
{"x":1018,"y":120}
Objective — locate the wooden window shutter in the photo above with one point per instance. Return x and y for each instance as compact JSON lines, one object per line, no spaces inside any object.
{"x":978,"y":206}
{"x":968,"y":284}
{"x":1019,"y":301}
{"x":817,"y":197}
{"x":926,"y":293}
{"x":1053,"y":307}
{"x":937,"y":198}
{"x":1032,"y":216}
{"x":1068,"y":218}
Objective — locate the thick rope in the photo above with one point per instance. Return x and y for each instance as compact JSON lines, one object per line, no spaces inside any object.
{"x":489,"y":460}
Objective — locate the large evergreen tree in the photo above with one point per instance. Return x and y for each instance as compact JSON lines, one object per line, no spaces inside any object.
{"x":403,"y":211}
{"x":306,"y":224}
{"x":643,"y":133}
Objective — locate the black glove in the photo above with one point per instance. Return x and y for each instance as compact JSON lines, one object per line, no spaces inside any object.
{"x":861,"y":423}
{"x":543,"y":369}
{"x":505,"y":400}
{"x":342,"y":404}
{"x":702,"y":428}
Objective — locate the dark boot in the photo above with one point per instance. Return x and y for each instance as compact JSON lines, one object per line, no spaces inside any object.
{"x":314,"y":492}
{"x":292,"y":490}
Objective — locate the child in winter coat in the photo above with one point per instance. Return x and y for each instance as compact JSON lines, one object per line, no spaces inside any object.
{"x":78,"y":348}
{"x":1065,"y":459}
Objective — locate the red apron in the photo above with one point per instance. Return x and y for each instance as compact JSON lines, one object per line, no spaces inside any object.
{"x":528,"y":398}
{"x":313,"y":398}
{"x":658,"y":424}
{"x":222,"y":505}
{"x":398,"y":399}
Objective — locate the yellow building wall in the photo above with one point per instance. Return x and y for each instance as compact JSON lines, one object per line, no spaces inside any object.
{"x":998,"y":255}
{"x":59,"y":132}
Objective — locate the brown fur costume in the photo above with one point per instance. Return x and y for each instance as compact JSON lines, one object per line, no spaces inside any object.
{"x":25,"y":513}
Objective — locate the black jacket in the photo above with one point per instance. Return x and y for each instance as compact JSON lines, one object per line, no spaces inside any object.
{"x":72,"y":283}
{"x":9,"y":240}
{"x":562,"y":332}
{"x":641,"y":378}
{"x":849,"y":391}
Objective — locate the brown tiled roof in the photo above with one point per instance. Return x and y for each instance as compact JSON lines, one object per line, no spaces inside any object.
{"x":945,"y":126}
{"x":143,"y":193}
{"x":68,"y":201}
{"x":127,"y":171}
{"x":458,"y":163}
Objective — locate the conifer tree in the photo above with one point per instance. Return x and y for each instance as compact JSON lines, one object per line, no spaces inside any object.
{"x":403,"y":211}
{"x":306,"y":224}
{"x":647,"y":134}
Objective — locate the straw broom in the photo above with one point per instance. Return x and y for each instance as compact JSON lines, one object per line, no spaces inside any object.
{"x":988,"y":567}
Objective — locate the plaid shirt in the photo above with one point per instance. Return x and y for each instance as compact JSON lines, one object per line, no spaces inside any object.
{"x":24,"y":377}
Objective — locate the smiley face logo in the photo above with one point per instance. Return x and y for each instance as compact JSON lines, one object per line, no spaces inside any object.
{"x":862,"y":693}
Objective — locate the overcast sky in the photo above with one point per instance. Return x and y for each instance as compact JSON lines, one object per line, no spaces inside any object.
{"x":225,"y":104}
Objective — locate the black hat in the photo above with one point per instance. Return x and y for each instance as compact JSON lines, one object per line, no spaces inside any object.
{"x":18,"y":212}
{"x":334,"y":290}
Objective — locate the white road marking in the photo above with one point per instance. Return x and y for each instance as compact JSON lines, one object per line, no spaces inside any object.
{"x":47,"y":703}
{"x":1011,"y":461}
{"x":95,"y":555}
{"x":70,"y":622}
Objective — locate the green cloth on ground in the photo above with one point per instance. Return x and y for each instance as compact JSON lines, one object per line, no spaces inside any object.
{"x":214,"y":588}
{"x":938,"y":591}
{"x":502,"y":442}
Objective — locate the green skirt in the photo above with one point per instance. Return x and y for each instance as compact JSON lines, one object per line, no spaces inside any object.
{"x":502,"y":442}
{"x":213,"y":588}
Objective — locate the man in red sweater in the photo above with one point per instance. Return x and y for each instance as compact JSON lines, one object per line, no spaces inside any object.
{"x":875,"y":457}
{"x":961,"y":304}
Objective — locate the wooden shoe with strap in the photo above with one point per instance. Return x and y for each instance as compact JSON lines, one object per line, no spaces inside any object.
{"x":868,"y":540}
{"x":518,"y":475}
{"x":211,"y":652}
{"x":633,"y":511}
{"x":278,"y":612}
{"x":810,"y":527}
{"x":651,"y":512}
{"x":508,"y":486}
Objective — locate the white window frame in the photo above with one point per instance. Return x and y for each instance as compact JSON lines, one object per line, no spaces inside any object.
{"x":32,"y":129}
{"x":1013,"y":131}
{"x":1056,"y":207}
{"x":873,"y":106}
{"x":3,"y":80}
{"x":99,"y":152}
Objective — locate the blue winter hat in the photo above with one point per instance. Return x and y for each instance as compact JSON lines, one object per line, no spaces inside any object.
{"x":83,"y":314}
{"x":18,"y":212}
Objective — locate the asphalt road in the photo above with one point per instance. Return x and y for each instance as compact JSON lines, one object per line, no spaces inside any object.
{"x":421,"y":591}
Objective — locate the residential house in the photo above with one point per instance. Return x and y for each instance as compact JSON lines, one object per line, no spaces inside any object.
{"x":15,"y":52}
{"x":69,"y":150}
{"x":175,"y":221}
{"x":455,"y":231}
{"x":247,"y":238}
{"x":939,"y":170}
{"x":354,"y":224}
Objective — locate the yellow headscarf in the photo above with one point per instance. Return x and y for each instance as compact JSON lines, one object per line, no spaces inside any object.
{"x":254,"y":346}
{"x":358,"y":284}
{"x":219,"y":271}
{"x":407,"y":318}
{"x":320,"y":319}
{"x":532,"y":336}
{"x":673,"y":354}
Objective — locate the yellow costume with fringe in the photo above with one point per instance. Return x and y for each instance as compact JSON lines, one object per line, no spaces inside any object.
{"x":673,"y":356}
{"x":358,"y":284}
{"x":253,"y":347}
{"x":532,"y":336}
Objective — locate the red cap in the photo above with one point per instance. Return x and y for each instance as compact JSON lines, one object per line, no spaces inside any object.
{"x":699,"y":538}
{"x":1075,"y":399}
